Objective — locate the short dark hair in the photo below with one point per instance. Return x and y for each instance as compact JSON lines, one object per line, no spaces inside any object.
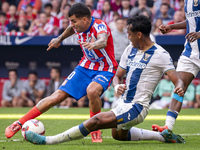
{"x":164,"y":4}
{"x":15,"y":70}
{"x":48,"y":5}
{"x":29,"y":5}
{"x":3,"y":14}
{"x":33,"y":72}
{"x":140,"y":24}
{"x":58,"y":70}
{"x":79,"y":10}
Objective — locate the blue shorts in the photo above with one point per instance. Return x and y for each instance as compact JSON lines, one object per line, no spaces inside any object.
{"x":77,"y":82}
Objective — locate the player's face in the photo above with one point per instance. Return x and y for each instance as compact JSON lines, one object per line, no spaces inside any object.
{"x":32,"y":77}
{"x":53,"y":74}
{"x":133,"y":37}
{"x":79,"y":24}
{"x":12,"y":75}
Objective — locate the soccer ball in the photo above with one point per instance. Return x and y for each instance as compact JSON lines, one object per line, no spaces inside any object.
{"x":34,"y":126}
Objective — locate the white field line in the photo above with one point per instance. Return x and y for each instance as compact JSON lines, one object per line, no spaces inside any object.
{"x":104,"y":137}
{"x":85,"y":116}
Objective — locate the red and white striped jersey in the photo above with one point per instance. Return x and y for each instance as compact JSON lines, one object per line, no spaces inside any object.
{"x":54,"y":21}
{"x":48,"y":28}
{"x":98,"y":59}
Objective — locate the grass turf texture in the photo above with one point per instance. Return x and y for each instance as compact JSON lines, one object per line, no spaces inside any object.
{"x":188,"y":126}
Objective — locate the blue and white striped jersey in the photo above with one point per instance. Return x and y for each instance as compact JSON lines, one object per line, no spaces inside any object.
{"x":144,"y":71}
{"x":192,"y":13}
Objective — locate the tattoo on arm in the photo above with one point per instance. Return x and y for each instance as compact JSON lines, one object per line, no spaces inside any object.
{"x":68,"y":32}
{"x":101,"y":41}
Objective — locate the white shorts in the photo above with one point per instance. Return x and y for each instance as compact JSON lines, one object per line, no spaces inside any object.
{"x":129,"y":114}
{"x":186,"y":64}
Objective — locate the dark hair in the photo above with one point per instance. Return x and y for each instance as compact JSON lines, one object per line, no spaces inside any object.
{"x":48,"y":5}
{"x":32,"y":72}
{"x":164,"y":4}
{"x":140,"y":24}
{"x":79,"y":10}
{"x":58,"y":70}
{"x":15,"y":70}
{"x":29,"y":5}
{"x":3,"y":14}
{"x":42,"y":12}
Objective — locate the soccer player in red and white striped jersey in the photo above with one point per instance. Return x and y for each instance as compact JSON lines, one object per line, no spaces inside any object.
{"x":93,"y":74}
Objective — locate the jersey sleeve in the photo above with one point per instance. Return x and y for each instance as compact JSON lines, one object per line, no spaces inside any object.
{"x":165,"y":61}
{"x":124,"y":57}
{"x":101,"y":28}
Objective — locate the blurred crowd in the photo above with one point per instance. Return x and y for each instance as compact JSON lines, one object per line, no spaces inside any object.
{"x":27,"y":92}
{"x":50,"y":17}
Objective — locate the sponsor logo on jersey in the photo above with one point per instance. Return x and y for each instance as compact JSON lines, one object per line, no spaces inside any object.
{"x":146,"y":56}
{"x":195,"y":2}
{"x":193,"y":14}
{"x":101,"y":27}
{"x":139,"y":65}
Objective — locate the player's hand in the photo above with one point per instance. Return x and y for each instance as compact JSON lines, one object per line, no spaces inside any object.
{"x":32,"y":84}
{"x":179,"y":91}
{"x":121,"y":89}
{"x":87,"y":45}
{"x":53,"y":44}
{"x":192,"y":36}
{"x":165,"y":29}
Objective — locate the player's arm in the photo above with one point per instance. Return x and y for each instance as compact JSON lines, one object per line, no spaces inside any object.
{"x":101,"y":42}
{"x":38,"y":93}
{"x":168,"y":28}
{"x":179,"y":85}
{"x":23,"y":96}
{"x":55,"y":42}
{"x":118,"y":80}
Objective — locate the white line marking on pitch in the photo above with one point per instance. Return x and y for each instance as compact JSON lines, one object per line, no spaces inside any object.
{"x":84,"y":116}
{"x":104,"y":137}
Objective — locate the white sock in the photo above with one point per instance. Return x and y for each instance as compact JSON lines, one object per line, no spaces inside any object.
{"x":169,"y":122}
{"x":72,"y":134}
{"x":136,"y":134}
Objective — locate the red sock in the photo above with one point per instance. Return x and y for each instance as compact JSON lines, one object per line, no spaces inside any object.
{"x":92,"y":114}
{"x":33,"y":113}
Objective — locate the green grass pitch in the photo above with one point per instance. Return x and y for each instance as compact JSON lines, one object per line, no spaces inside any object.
{"x":59,"y":120}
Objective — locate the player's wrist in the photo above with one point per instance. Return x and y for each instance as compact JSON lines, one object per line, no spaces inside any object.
{"x":116,"y":87}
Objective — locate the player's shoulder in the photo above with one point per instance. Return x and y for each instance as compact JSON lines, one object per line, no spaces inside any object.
{"x":100,"y":24}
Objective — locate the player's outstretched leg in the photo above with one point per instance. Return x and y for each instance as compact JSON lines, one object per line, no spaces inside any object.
{"x":136,"y":134}
{"x":37,"y":110}
{"x":100,"y":121}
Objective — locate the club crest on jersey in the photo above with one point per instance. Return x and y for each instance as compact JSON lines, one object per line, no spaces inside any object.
{"x":146,"y":56}
{"x":195,"y":2}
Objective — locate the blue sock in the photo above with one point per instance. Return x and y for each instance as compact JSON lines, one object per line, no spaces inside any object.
{"x":83,"y":130}
{"x":172,"y":113}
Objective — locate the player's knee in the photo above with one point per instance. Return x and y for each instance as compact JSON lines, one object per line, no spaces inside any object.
{"x":92,"y":93}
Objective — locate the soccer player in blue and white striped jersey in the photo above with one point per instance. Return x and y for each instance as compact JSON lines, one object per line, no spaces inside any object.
{"x":189,"y":61}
